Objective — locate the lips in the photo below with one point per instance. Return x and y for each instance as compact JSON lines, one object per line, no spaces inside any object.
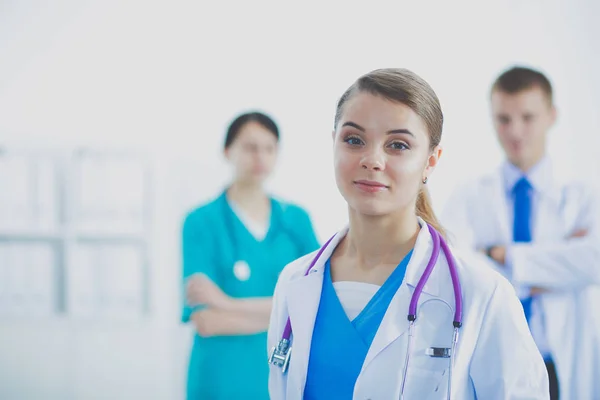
{"x":370,"y":186}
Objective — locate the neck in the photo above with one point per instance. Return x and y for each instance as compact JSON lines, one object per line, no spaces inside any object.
{"x":526,"y":165}
{"x":247,"y":195}
{"x":376,"y":240}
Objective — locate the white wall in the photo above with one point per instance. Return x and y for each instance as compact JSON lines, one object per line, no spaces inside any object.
{"x":166,"y":77}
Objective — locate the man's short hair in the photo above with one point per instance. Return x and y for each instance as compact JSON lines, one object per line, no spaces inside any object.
{"x":518,"y":79}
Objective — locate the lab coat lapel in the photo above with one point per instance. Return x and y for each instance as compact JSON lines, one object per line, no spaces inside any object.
{"x":549,"y":222}
{"x":395,"y":320}
{"x":304,"y":294}
{"x":500,"y":227}
{"x":303,"y":302}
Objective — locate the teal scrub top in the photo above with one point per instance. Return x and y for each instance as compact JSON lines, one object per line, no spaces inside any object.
{"x":214,"y":239}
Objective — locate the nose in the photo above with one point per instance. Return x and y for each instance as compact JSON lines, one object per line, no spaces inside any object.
{"x":261,"y":153}
{"x":373,"y":160}
{"x":515,"y":130}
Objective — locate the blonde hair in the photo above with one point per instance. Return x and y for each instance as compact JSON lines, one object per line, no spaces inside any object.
{"x":406,"y":87}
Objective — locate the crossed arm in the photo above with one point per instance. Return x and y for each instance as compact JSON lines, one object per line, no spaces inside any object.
{"x":499,"y":255}
{"x":212,"y":311}
{"x":217,"y":314}
{"x":568,"y":264}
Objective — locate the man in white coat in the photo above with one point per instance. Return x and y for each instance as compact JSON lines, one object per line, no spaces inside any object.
{"x":540,"y":231}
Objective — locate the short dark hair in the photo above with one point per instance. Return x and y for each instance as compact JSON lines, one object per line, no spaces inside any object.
{"x":517,"y":79}
{"x":238,"y":123}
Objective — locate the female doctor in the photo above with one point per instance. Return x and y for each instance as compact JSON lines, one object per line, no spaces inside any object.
{"x":234,"y":248}
{"x":384,"y":310}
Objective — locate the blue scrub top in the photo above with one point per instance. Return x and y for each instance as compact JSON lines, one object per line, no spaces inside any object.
{"x":214,"y":239}
{"x":339,"y":346}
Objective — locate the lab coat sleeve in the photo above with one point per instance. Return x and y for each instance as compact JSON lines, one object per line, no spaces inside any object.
{"x":572,"y":263}
{"x":506,"y":363}
{"x":456,"y":218}
{"x":457,"y":221}
{"x":196,"y":254}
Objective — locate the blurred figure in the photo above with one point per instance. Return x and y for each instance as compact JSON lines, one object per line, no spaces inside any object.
{"x":233,"y":250}
{"x":540,"y":231}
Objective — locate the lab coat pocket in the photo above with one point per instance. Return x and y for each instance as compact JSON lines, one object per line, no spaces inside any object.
{"x":426,"y":384}
{"x":427,"y":373}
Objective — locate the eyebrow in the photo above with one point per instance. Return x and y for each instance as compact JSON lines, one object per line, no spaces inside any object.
{"x":393,"y":131}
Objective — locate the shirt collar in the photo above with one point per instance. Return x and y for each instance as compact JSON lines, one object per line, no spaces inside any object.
{"x":540,"y":176}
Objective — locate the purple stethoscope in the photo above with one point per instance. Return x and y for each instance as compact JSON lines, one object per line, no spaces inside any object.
{"x":280,"y":354}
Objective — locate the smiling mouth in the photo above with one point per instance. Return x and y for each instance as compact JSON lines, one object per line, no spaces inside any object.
{"x":370,"y":186}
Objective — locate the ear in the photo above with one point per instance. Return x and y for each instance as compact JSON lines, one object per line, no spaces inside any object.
{"x":553,"y":115}
{"x":333,"y":135}
{"x":227,"y":154}
{"x":432,"y":162}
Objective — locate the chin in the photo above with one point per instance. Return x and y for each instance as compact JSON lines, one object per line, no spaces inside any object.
{"x":257,"y":178}
{"x":516,"y":154}
{"x":260,"y":179}
{"x":517,"y":160}
{"x":369,"y":208}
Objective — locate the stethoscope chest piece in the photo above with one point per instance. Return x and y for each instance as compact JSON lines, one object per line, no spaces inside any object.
{"x":280,"y":355}
{"x":241,"y":270}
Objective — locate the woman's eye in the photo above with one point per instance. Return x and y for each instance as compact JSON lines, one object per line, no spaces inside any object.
{"x":399,"y":146}
{"x":354,"y":141}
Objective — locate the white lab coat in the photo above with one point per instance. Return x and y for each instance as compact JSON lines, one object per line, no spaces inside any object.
{"x":476,"y":216}
{"x":496,"y":356}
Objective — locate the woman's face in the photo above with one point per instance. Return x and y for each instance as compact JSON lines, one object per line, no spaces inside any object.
{"x":253,"y":153}
{"x":381,"y":154}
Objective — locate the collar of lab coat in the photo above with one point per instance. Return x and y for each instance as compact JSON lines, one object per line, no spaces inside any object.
{"x":414,"y":270}
{"x":304,"y":293}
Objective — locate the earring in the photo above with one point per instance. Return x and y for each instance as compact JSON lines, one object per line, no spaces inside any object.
{"x":425,"y":181}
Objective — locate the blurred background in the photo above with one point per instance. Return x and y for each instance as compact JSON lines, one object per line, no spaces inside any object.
{"x":112,"y":118}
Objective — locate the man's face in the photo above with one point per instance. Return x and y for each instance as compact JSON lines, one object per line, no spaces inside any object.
{"x":522,"y":121}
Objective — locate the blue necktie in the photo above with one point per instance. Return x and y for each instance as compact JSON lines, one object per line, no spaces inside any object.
{"x":522,"y":224}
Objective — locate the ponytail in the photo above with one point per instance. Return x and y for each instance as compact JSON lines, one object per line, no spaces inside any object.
{"x":425,"y":211}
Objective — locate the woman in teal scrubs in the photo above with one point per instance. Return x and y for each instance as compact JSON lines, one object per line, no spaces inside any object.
{"x":233,"y":250}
